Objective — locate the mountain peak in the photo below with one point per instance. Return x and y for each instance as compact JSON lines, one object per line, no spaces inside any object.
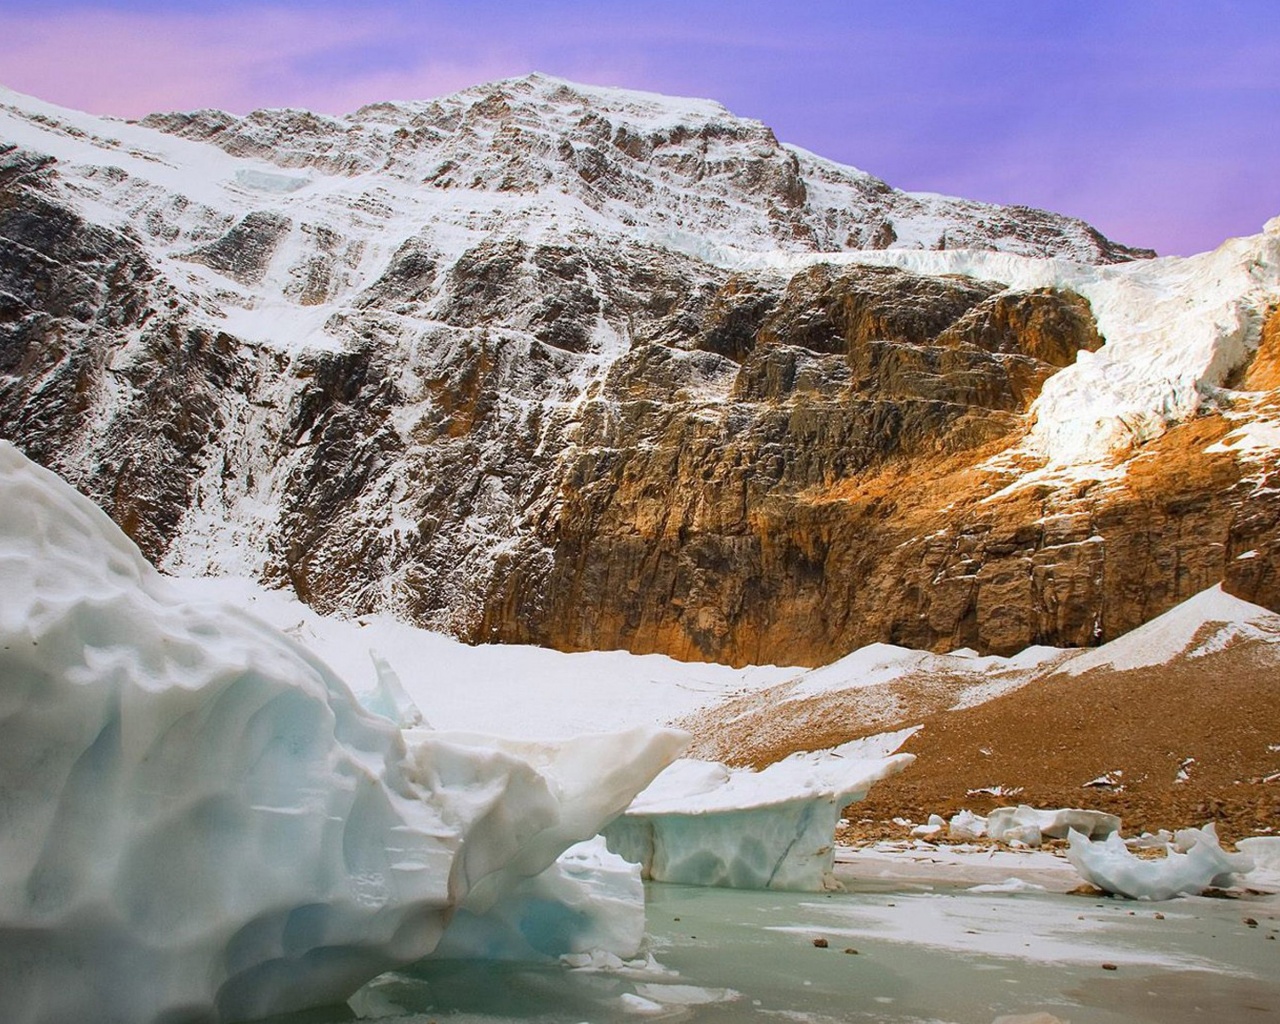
{"x":558,"y":98}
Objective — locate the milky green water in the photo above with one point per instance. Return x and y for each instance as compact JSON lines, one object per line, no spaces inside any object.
{"x":924,"y":954}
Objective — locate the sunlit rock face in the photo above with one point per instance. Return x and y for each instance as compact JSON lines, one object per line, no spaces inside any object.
{"x":202,"y":824}
{"x":595,"y":369}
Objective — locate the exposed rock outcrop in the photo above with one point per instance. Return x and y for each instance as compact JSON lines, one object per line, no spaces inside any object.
{"x":500,"y":365}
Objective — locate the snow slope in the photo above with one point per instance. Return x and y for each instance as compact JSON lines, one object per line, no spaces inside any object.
{"x":527,"y":692}
{"x":1210,"y":621}
{"x":535,"y":693}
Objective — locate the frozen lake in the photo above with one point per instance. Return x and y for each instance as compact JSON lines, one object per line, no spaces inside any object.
{"x":928,"y":950}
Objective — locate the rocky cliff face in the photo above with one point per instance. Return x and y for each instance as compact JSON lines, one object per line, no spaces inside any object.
{"x":586,"y":368}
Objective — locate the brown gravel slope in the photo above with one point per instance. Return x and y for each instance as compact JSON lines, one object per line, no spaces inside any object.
{"x":1054,"y":736}
{"x":1217,"y":703}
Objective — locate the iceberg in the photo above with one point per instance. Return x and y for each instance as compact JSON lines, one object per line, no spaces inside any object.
{"x":589,"y":903}
{"x":1112,"y":868}
{"x":703,"y":823}
{"x":200,"y":822}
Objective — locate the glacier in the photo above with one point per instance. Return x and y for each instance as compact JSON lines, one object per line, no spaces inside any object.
{"x":1175,"y":330}
{"x":202,"y":823}
{"x":703,"y":823}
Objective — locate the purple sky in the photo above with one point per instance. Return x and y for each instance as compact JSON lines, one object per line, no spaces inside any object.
{"x":1157,"y":122}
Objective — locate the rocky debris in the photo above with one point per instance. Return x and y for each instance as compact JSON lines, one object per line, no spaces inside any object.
{"x":1141,"y":721}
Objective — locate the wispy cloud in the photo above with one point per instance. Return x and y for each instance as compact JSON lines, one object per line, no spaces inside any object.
{"x":131,"y":63}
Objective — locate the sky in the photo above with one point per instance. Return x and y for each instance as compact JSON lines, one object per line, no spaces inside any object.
{"x":1158,"y":122}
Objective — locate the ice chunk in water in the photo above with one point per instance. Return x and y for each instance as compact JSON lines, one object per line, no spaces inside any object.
{"x":701,"y":823}
{"x":200,"y":822}
{"x":1111,"y":867}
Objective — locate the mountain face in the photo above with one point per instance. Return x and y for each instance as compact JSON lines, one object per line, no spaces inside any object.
{"x":594,"y":369}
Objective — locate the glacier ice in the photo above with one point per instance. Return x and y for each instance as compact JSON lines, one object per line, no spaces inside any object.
{"x":201,"y":823}
{"x":590,"y":902}
{"x":702,"y":823}
{"x":1264,"y":851}
{"x":966,"y":825}
{"x":1203,"y":864}
{"x":1029,"y":825}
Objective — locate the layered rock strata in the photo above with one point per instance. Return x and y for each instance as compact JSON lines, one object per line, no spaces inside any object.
{"x":541,"y":411}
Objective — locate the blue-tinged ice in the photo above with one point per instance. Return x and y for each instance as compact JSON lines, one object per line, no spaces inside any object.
{"x":702,"y":823}
{"x":1193,"y":863}
{"x":199,"y":822}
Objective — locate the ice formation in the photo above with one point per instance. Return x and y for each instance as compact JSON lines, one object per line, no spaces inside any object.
{"x":202,"y":823}
{"x":702,"y":823}
{"x":936,"y":823}
{"x":1175,"y":329}
{"x":1029,"y":825}
{"x":966,"y":825}
{"x":590,"y":902}
{"x":1203,"y":864}
{"x":1264,"y":851}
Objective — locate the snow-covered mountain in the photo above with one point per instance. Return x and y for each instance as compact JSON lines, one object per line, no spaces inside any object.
{"x":594,"y":369}
{"x":548,"y":159}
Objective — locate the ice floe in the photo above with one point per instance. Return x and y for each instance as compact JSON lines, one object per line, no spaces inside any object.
{"x":702,"y":823}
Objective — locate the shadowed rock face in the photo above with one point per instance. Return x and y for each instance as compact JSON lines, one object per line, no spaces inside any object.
{"x":592,"y":443}
{"x":801,"y":531}
{"x":244,"y":252}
